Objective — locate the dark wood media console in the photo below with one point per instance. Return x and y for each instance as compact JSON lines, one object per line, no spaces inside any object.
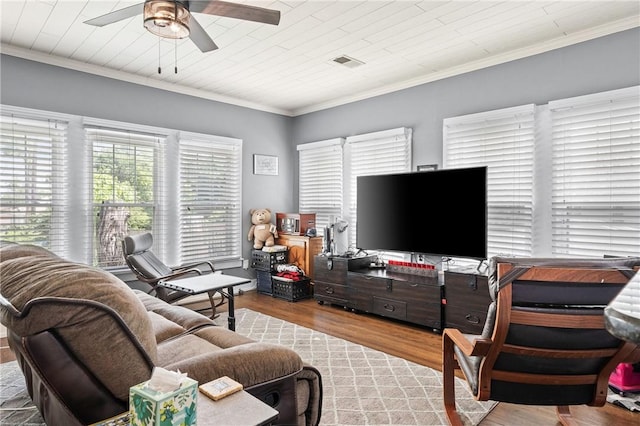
{"x":460,"y":301}
{"x":331,"y":279}
{"x":466,"y":300}
{"x":412,"y":298}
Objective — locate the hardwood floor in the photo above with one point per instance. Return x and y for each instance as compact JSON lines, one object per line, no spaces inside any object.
{"x":416,"y":344}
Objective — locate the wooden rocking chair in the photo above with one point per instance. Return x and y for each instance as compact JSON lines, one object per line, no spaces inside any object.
{"x":544,"y":341}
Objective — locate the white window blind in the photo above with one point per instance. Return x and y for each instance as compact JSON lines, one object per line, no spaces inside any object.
{"x":33,"y":165}
{"x":210,"y":198}
{"x":504,"y":141}
{"x":596,"y":174}
{"x":320,"y":180}
{"x":377,"y":153}
{"x":126,"y":173}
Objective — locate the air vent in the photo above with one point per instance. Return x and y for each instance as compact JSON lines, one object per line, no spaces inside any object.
{"x":348,"y":61}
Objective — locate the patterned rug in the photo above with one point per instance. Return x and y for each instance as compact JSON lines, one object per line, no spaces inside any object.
{"x":361,"y":386}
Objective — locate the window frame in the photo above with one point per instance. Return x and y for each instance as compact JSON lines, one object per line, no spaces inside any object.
{"x":77,"y":228}
{"x":320,"y":180}
{"x":227,"y":241}
{"x":489,"y":139}
{"x":367,"y":153}
{"x":546,"y":227}
{"x":595,"y":198}
{"x":52,"y":149}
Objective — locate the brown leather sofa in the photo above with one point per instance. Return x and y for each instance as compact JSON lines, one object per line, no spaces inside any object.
{"x":83,"y":337}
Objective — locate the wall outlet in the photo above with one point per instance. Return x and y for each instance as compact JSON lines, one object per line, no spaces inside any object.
{"x":245,"y":264}
{"x":420,"y":258}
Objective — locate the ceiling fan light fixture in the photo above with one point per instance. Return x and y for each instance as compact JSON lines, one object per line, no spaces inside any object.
{"x":166,"y":18}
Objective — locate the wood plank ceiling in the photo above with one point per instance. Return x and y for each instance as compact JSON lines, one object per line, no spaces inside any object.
{"x":290,"y":68}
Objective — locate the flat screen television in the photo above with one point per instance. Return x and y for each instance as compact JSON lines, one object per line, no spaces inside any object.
{"x":440,"y":212}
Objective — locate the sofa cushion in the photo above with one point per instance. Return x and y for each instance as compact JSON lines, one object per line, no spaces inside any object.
{"x":251,"y":363}
{"x":12,"y":251}
{"x":196,"y":345}
{"x":185,"y":318}
{"x":87,"y":307}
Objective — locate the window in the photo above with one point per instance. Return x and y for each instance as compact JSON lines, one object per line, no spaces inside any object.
{"x":320,"y":180}
{"x":210,"y":198}
{"x":577,"y":188}
{"x":502,"y":140}
{"x":126,"y":170}
{"x":596,"y":174}
{"x":78,"y":185}
{"x":329,"y":171}
{"x":377,"y":153}
{"x":33,"y":165}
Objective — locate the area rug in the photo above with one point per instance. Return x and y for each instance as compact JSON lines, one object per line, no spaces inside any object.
{"x":361,"y":386}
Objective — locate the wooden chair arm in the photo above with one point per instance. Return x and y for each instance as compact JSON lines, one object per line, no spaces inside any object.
{"x":477,"y":347}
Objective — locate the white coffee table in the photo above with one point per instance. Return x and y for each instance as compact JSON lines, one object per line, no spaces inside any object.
{"x":238,"y":409}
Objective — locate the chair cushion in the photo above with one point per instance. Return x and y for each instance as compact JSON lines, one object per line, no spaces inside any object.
{"x":149,"y":265}
{"x":137,"y":243}
{"x":87,"y":307}
{"x":137,"y":251}
{"x":470,"y":365}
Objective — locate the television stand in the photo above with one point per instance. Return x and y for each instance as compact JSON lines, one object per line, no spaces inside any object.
{"x":459,"y":299}
{"x":466,"y":300}
{"x":330,"y":283}
{"x":406,"y":297}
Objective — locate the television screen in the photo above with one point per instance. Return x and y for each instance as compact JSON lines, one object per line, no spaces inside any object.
{"x":441,"y":212}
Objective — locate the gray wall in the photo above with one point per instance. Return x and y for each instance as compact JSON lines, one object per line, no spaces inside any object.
{"x":607,"y":63}
{"x":31,"y":84}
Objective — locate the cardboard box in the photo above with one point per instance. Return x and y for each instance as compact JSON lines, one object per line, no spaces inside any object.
{"x":148,"y":407}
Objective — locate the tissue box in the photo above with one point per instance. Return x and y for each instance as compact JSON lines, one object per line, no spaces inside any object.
{"x":148,"y":407}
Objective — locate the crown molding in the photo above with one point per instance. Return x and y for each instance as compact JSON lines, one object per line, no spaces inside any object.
{"x":72,"y":64}
{"x":578,"y":37}
{"x":568,"y":40}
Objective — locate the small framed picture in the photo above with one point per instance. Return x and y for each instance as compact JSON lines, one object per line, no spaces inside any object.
{"x":265,"y":165}
{"x":427,"y":167}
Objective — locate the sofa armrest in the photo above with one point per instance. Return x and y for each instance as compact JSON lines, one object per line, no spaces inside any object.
{"x":250,"y":363}
{"x":311,"y":406}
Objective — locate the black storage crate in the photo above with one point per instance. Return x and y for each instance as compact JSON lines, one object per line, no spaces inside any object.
{"x":267,"y":261}
{"x":263,"y":284}
{"x":290,"y":290}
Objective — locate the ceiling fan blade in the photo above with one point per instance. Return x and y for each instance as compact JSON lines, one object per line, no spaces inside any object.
{"x":117,"y":15}
{"x":238,"y":11}
{"x":199,"y":36}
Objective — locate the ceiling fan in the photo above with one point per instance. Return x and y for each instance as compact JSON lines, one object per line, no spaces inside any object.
{"x":174,"y":19}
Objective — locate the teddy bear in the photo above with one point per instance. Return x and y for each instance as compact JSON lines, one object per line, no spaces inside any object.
{"x":263,"y":232}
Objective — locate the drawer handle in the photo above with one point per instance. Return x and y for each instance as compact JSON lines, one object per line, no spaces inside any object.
{"x":329,"y":290}
{"x":388,"y":307}
{"x":472,"y":319}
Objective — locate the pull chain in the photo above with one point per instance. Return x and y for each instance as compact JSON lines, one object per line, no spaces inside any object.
{"x":175,"y":58}
{"x":159,"y":69}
